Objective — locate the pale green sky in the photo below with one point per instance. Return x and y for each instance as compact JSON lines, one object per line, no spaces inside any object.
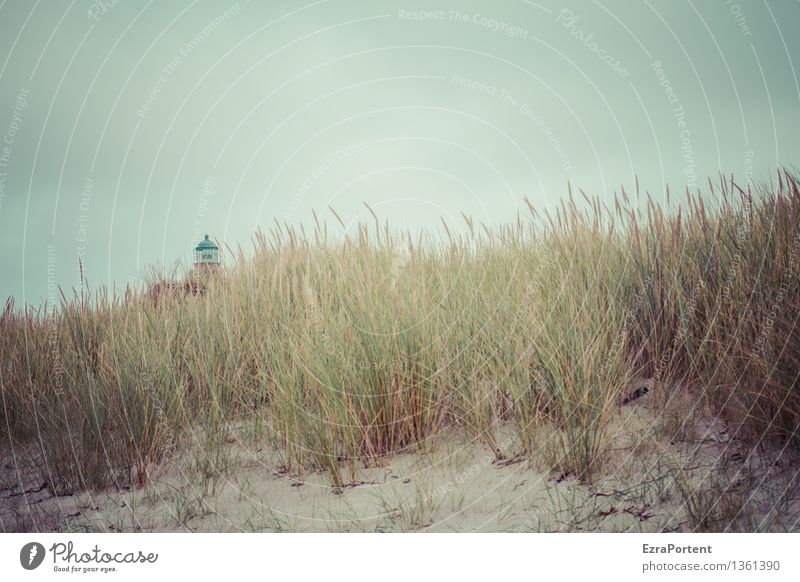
{"x":129,"y":129}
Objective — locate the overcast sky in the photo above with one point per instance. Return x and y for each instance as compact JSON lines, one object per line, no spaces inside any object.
{"x":130,"y":129}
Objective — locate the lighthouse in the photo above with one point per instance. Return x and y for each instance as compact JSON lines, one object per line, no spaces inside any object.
{"x":206,"y":256}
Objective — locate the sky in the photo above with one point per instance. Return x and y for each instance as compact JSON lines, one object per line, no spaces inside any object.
{"x":129,"y":129}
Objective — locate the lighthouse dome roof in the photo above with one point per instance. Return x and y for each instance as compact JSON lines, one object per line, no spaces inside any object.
{"x":206,"y":244}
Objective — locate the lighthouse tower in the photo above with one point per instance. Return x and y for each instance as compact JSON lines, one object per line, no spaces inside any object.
{"x":206,"y":256}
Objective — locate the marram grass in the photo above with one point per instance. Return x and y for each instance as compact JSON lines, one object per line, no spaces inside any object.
{"x":344,"y":352}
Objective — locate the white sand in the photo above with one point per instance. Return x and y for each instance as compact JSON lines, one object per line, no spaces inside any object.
{"x":643,"y":485}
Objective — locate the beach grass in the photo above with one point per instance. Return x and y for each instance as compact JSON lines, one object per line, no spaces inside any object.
{"x":342,"y":352}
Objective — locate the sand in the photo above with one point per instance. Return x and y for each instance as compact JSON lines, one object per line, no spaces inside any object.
{"x":648,"y":482}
